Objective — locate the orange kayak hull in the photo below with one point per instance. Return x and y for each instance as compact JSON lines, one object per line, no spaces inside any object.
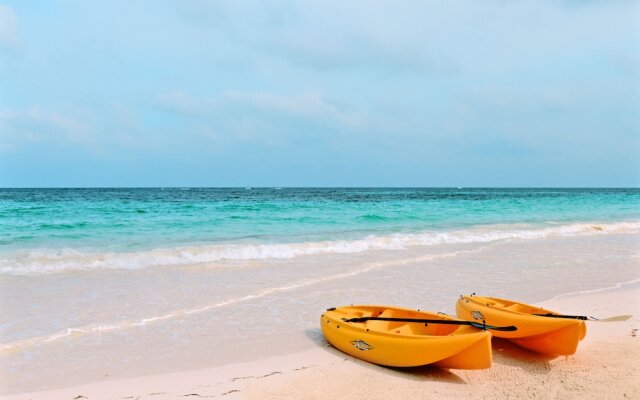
{"x":547,"y":335}
{"x":402,"y":344}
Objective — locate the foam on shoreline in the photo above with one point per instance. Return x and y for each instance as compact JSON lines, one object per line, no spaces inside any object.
{"x":620,"y":285}
{"x":49,"y":261}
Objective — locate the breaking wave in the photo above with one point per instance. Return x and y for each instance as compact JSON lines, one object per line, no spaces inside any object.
{"x":48,"y":261}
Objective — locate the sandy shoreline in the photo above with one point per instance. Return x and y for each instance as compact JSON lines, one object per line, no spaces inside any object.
{"x":605,"y":366}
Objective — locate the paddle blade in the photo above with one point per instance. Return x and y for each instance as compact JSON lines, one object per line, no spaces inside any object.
{"x":616,"y":318}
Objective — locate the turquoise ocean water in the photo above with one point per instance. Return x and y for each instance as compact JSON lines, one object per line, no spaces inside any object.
{"x":52,"y":230}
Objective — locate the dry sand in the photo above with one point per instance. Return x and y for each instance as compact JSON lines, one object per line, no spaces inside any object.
{"x":606,"y":366}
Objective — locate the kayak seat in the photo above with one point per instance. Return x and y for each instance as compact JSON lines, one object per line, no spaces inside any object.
{"x":381,"y":326}
{"x":518,"y":308}
{"x":361,"y":314}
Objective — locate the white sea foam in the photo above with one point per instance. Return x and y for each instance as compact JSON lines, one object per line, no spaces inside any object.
{"x":619,"y":285}
{"x":47,"y":261}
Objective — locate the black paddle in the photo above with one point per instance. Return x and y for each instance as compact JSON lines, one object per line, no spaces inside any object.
{"x":478,"y":325}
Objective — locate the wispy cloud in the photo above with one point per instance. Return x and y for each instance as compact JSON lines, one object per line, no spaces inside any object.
{"x":9,"y":28}
{"x":310,"y":104}
{"x":40,"y":125}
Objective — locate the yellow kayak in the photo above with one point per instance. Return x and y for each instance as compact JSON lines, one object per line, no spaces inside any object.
{"x":400,"y":337}
{"x":540,"y":330}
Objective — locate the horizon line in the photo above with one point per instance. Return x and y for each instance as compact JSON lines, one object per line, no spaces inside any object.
{"x":319,"y":187}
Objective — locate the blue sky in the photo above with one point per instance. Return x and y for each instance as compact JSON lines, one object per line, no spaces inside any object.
{"x":319,"y":93}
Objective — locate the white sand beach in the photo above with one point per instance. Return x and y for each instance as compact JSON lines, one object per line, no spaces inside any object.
{"x":605,"y":367}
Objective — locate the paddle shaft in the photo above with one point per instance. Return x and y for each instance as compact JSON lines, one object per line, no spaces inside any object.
{"x":582,"y":317}
{"x":479,"y":325}
{"x":615,"y":318}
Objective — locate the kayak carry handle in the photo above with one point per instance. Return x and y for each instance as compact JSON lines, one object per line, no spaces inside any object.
{"x":478,"y":325}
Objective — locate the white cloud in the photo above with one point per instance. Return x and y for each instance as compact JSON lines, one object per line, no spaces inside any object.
{"x":245,"y":113}
{"x":310,"y":104}
{"x":37,"y":124}
{"x":48,"y":117}
{"x":425,"y":37}
{"x":9,"y":28}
